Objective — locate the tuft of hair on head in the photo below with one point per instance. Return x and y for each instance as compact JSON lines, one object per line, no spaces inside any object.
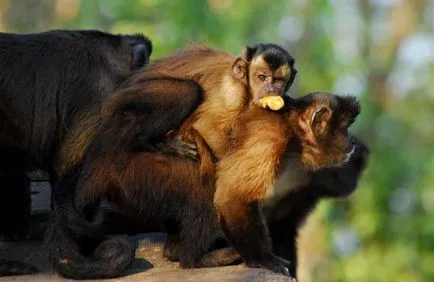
{"x":346,"y":110}
{"x":268,"y":50}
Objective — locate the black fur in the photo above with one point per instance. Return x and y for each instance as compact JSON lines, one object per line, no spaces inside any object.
{"x":47,"y":80}
{"x":285,"y":217}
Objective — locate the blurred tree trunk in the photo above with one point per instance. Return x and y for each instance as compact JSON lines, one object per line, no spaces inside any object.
{"x":383,"y":64}
{"x":28,"y":15}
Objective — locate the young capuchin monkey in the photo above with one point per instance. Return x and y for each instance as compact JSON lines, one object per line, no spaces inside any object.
{"x":251,"y":144}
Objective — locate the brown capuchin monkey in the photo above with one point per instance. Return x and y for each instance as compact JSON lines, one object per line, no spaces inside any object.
{"x":248,"y":140}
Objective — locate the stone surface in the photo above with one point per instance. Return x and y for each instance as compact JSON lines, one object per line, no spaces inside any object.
{"x":149,"y":265}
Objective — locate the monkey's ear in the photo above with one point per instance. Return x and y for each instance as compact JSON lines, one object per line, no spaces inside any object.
{"x":239,"y":68}
{"x":249,"y":53}
{"x":320,"y":119}
{"x":139,"y":56}
{"x":141,"y":49}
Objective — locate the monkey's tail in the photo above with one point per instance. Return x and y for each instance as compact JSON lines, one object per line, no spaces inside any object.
{"x":78,"y":248}
{"x":84,"y":258}
{"x":65,"y":210}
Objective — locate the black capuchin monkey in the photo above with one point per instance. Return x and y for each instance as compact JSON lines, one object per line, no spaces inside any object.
{"x":48,"y":81}
{"x":298,"y":192}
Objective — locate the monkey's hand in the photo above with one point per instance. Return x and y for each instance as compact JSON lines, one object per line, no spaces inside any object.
{"x":177,"y":145}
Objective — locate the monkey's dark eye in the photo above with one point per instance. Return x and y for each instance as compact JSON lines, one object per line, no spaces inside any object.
{"x":262,"y":77}
{"x":279,"y":80}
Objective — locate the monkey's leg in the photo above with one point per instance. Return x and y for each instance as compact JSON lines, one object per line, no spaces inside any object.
{"x":240,"y":188}
{"x":245,"y":229}
{"x":198,"y":231}
{"x":15,"y":205}
{"x":171,"y":247}
{"x":14,"y":214}
{"x":284,"y":237}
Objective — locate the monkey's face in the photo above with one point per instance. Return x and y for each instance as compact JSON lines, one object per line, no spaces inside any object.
{"x":267,"y":69}
{"x":269,"y":76}
{"x":320,"y":123}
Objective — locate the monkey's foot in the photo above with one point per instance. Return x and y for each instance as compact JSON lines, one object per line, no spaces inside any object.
{"x":273,"y":263}
{"x":220,"y":257}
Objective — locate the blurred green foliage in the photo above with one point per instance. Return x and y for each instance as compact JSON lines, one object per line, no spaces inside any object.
{"x":382,"y":51}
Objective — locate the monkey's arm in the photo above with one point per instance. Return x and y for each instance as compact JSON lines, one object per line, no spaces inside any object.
{"x":342,"y":181}
{"x":206,"y":157}
{"x":175,"y":145}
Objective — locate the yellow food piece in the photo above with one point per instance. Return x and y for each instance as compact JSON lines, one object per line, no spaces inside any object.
{"x":273,"y":102}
